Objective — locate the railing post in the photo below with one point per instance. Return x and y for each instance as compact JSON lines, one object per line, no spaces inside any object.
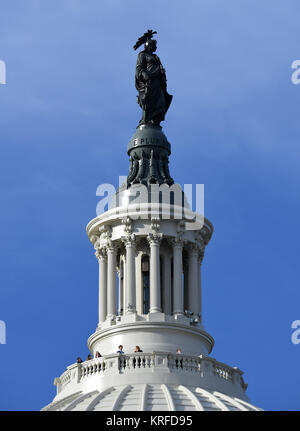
{"x":75,"y":372}
{"x":112,"y":364}
{"x":208,"y":366}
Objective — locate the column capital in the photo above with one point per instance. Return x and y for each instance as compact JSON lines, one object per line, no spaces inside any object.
{"x":110,"y":246}
{"x":205,"y":234}
{"x":95,"y":240}
{"x":105,"y":232}
{"x":129,"y":240}
{"x":201,"y":249}
{"x":192,"y":248}
{"x":154,"y":238}
{"x":176,"y":241}
{"x":100,"y":253}
{"x":201,"y":256}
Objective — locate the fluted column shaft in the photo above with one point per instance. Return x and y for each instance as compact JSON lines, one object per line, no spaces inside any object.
{"x":166,"y":277}
{"x":155,"y":293}
{"x":178,"y":298}
{"x":121,"y":286}
{"x":102,"y":286}
{"x":130,"y":276}
{"x":111,"y":281}
{"x":200,"y":258}
{"x":186,"y":285}
{"x":193,"y":288}
{"x":124,"y":287}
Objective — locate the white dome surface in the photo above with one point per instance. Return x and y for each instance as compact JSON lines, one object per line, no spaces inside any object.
{"x":151,"y":397}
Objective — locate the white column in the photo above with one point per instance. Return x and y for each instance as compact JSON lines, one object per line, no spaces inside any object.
{"x":177,"y":278}
{"x":186,"y":284}
{"x":102,"y":285}
{"x":124,"y":286}
{"x":139,"y":283}
{"x":193,"y":288}
{"x":166,"y":279}
{"x":155,"y":301}
{"x":130,"y":274}
{"x":200,"y":259}
{"x":121,"y":286}
{"x":111,"y":281}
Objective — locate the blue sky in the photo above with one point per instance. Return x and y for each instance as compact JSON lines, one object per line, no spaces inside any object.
{"x":68,"y":111}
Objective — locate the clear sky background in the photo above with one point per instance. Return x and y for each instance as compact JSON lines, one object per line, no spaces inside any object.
{"x":67,"y":113}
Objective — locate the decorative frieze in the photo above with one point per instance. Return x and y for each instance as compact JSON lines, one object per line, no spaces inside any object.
{"x":155,"y":225}
{"x":127,"y":225}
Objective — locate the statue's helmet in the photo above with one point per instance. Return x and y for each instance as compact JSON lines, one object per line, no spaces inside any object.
{"x":150,"y":45}
{"x":144,"y":39}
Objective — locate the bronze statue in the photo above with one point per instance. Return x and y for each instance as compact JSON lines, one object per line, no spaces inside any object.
{"x":151,"y":82}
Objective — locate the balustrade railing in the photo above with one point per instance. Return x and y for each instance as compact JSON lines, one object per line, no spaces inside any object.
{"x":92,"y":367}
{"x":137,"y":362}
{"x":65,"y":378}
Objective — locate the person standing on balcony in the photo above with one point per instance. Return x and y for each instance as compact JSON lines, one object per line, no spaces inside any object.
{"x":120,"y":351}
{"x":137,"y":349}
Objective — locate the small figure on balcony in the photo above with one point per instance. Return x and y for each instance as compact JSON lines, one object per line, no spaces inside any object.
{"x":137,"y":349}
{"x":89,"y":357}
{"x":179,"y":351}
{"x":98,"y":355}
{"x":79,"y":360}
{"x":120,"y":351}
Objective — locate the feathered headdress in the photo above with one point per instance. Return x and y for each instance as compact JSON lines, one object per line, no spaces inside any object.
{"x":146,"y":36}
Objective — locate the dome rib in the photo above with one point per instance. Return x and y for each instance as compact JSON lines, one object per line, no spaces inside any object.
{"x":157,"y":396}
{"x":79,"y":400}
{"x":232,"y":401}
{"x":194,"y":399}
{"x":61,"y":403}
{"x":250,"y":406}
{"x":212,"y":398}
{"x":169,"y":398}
{"x":98,"y":398}
{"x":144,"y":397}
{"x":120,"y":396}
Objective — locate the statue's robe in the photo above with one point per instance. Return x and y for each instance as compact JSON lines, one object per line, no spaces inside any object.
{"x":153,"y":97}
